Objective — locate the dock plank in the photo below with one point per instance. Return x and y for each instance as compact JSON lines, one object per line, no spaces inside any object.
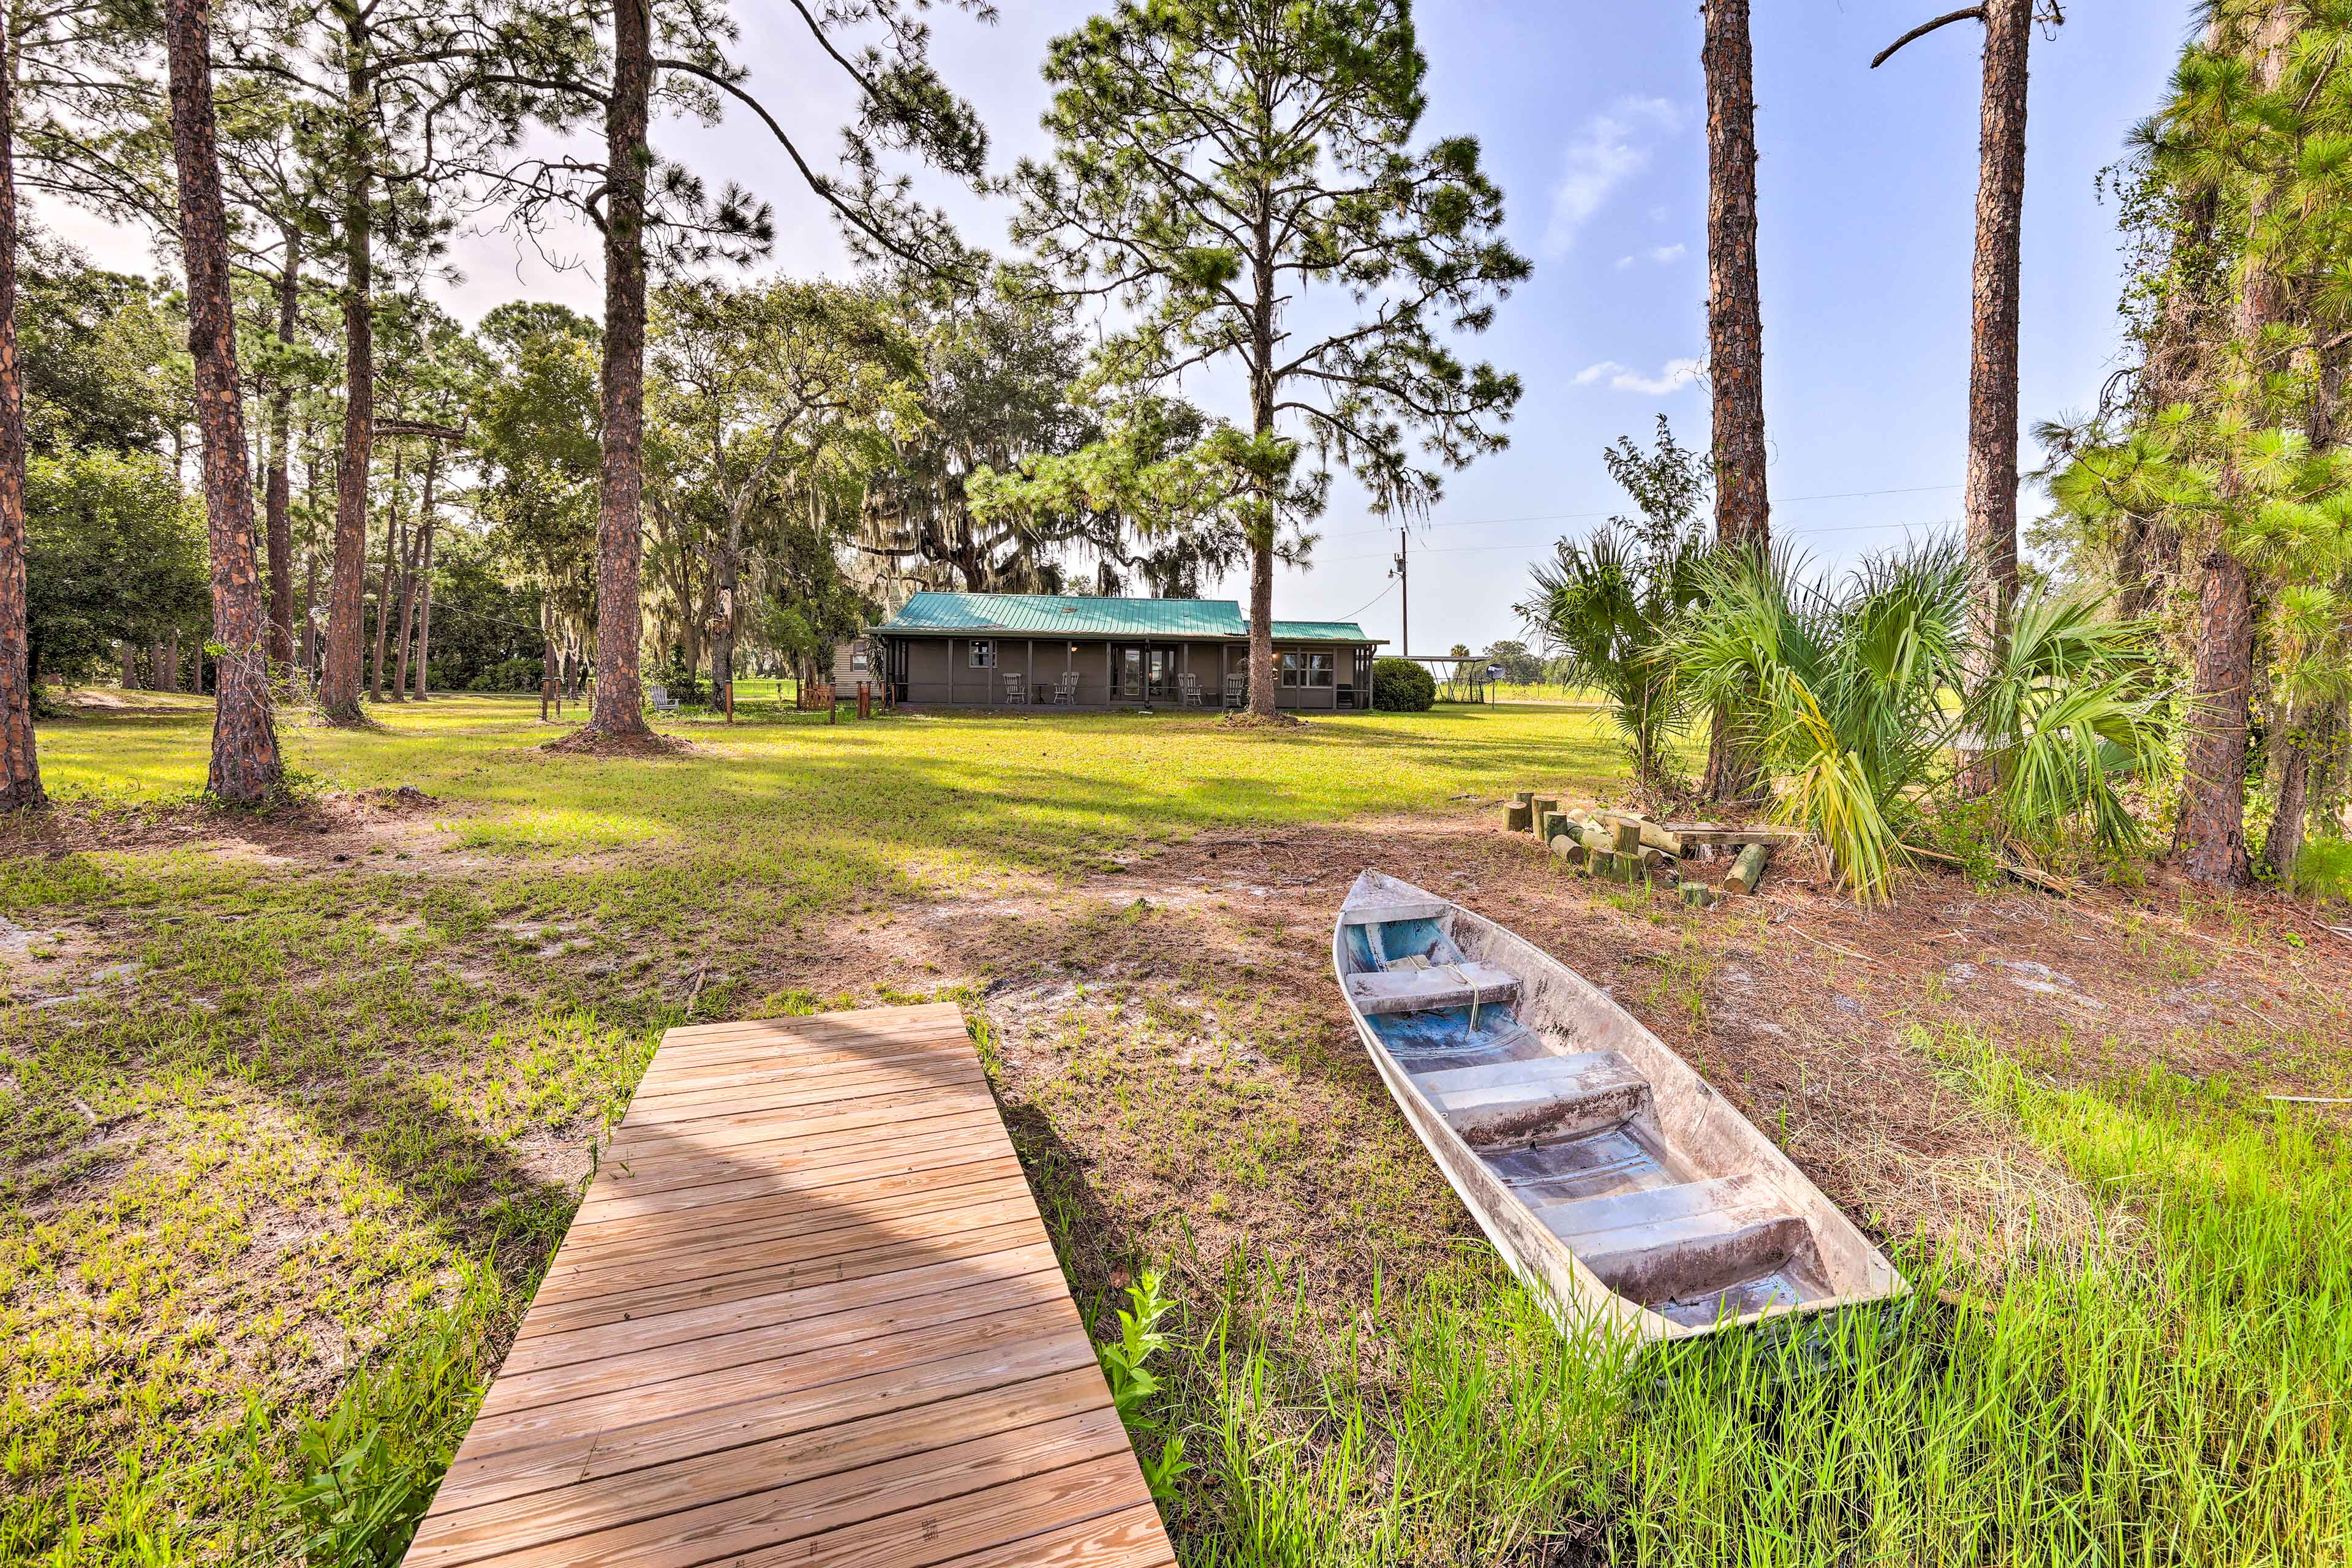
{"x":807,"y":1312}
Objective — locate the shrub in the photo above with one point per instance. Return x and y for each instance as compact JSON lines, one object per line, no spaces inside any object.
{"x":509,"y":675}
{"x":1401,"y":686}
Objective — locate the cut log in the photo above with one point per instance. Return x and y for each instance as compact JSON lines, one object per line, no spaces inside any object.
{"x":1544,"y":806}
{"x":1523,"y":797}
{"x":1626,"y":835}
{"x":1555,"y":823}
{"x":1652,"y":834}
{"x":1699,"y":896}
{"x":1749,"y":869}
{"x":1694,"y":833}
{"x":1515,"y":816}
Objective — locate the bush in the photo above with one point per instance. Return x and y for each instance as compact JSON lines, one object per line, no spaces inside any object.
{"x":509,"y":675}
{"x":1401,"y":686}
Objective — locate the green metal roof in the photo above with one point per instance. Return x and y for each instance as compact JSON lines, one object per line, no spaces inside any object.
{"x":1052,"y":614}
{"x":1057,"y":615}
{"x":1319,"y":631}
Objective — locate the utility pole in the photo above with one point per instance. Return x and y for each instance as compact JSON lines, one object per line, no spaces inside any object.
{"x":1404,"y":593}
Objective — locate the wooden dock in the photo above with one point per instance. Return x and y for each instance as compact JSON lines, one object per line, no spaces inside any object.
{"x":808,"y":1313}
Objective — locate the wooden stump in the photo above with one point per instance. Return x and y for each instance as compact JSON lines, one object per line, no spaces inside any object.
{"x":1515,"y":816}
{"x":1749,"y":869}
{"x":1626,"y":835}
{"x":1544,"y":806}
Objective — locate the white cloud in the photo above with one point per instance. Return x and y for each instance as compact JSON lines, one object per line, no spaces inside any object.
{"x":1660,"y":254}
{"x":1678,"y":375}
{"x":1613,"y":147}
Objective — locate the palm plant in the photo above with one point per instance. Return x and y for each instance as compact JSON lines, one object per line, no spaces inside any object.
{"x":1610,"y":607}
{"x":1848,"y":695}
{"x":2070,"y":707}
{"x":1838,"y":691}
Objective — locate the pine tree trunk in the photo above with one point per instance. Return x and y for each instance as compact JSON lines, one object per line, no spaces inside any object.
{"x":1735,"y":334}
{"x":167,"y":673}
{"x":20,"y":764}
{"x":2304,"y":736}
{"x":1263,"y":690}
{"x":244,"y":765}
{"x":339,"y":687}
{"x":618,"y":710}
{"x":424,"y":609}
{"x":1734,"y":316}
{"x":1990,"y":500}
{"x":2210,"y":839}
{"x":276,"y":499}
{"x":409,"y":577}
{"x":387,"y":587}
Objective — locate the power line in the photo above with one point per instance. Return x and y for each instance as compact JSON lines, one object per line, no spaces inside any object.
{"x":1538,"y":544}
{"x":1589,"y":516}
{"x":1368,"y":604}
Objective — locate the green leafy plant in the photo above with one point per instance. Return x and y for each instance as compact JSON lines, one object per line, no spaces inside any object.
{"x":1840,"y":691}
{"x":2072,"y":706}
{"x":1401,"y":686}
{"x":1610,"y":606}
{"x":1125,"y":1364}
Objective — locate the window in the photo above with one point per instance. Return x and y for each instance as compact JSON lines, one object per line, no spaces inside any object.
{"x":983,"y":653}
{"x":1293,"y":664}
{"x":1319,"y":669}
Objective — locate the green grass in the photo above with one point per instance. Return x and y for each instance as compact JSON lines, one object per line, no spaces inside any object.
{"x":275,"y":1184}
{"x":2180,"y":1394}
{"x":280,"y":1181}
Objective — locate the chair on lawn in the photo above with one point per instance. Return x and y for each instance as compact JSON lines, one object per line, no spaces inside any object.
{"x":1237,"y":690}
{"x":1188,"y":690}
{"x":1016,"y":689}
{"x":658,"y":699}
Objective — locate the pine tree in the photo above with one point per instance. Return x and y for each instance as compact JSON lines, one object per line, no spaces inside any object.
{"x":1215,"y":165}
{"x":246,"y":769}
{"x":20,"y":764}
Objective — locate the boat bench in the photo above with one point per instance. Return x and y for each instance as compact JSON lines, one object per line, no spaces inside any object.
{"x":1432,"y":989}
{"x":1687,"y":1239}
{"x":1536,"y":1098}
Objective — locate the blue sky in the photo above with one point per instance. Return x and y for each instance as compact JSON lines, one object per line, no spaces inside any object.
{"x":1591,"y":113}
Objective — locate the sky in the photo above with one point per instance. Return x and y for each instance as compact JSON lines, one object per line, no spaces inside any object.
{"x":1591,"y":116}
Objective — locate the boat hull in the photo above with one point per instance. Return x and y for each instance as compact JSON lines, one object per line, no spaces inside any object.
{"x":1521,"y":1162}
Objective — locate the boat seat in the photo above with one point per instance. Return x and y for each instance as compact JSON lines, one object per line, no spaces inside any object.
{"x":1692,"y":1238}
{"x":1432,"y":989}
{"x":1536,"y":1098}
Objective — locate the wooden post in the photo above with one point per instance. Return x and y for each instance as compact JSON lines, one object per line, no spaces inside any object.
{"x":1544,"y":804}
{"x":730,"y":701}
{"x":865,"y":701}
{"x":544,"y":686}
{"x":1517,"y":816}
{"x":1626,"y":835}
{"x":1749,"y":869}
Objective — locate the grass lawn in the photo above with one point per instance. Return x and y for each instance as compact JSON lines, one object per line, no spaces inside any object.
{"x":294,"y":1109}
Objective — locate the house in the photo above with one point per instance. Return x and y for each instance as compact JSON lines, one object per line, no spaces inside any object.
{"x":994,"y":651}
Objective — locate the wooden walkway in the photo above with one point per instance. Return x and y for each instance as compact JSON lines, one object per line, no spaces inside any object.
{"x":808,"y":1313}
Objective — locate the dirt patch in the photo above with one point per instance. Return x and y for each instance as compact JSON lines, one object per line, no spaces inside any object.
{"x":591,"y":741}
{"x":1175,"y":1055}
{"x":378,"y":828}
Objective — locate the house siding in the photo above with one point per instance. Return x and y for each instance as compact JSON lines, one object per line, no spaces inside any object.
{"x":939,"y":673}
